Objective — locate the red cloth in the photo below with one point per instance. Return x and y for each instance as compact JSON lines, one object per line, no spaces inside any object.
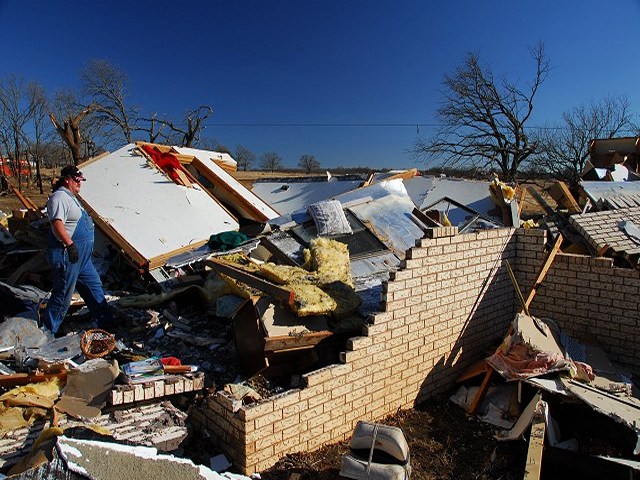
{"x":170,"y":361}
{"x":166,"y":161}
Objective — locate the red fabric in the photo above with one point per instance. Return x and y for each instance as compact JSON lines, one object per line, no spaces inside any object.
{"x":166,"y":161}
{"x":170,"y":361}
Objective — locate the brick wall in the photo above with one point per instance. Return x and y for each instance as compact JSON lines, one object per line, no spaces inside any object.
{"x":588,"y":297}
{"x":448,"y":306}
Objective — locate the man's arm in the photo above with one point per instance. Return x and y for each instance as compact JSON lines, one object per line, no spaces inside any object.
{"x":60,"y":232}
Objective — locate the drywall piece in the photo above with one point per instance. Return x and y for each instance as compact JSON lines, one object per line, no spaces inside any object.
{"x":623,"y":409}
{"x":88,"y":387}
{"x":112,"y":461}
{"x":145,"y":213}
{"x":159,"y":424}
{"x":280,"y":322}
{"x":533,"y":465}
{"x":551,"y":385}
{"x":227,"y":188}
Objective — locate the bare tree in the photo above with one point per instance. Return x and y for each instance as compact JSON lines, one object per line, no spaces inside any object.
{"x":308,"y":163}
{"x":105,"y":84}
{"x":86,"y":134}
{"x":244,"y":157}
{"x":483,"y":121}
{"x":565,"y":148}
{"x":70,"y":132}
{"x":154,"y":128}
{"x":36,"y":144}
{"x":188,"y":135}
{"x":271,"y":161}
{"x":16,"y":109}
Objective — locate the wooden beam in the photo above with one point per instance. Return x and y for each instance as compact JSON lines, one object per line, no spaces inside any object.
{"x":473,"y":408}
{"x":226,"y":188}
{"x":238,"y":273}
{"x":523,"y":303}
{"x":562,"y":196}
{"x":545,"y":268}
{"x":160,"y":260}
{"x":426,"y":219}
{"x":520,"y":196}
{"x":26,"y":201}
{"x":506,"y":213}
{"x":17,"y":379}
{"x":533,"y":466}
{"x":294,"y":342}
{"x":474,"y":370}
{"x":541,"y":201}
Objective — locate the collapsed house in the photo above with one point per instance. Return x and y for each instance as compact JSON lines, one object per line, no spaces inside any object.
{"x":428,"y":259}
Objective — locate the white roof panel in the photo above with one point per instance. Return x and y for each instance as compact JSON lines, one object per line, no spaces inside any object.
{"x":152,"y":213}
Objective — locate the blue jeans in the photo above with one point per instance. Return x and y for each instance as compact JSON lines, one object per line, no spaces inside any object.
{"x":67,"y":277}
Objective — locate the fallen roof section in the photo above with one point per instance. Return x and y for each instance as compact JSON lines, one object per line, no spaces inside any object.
{"x":462,"y":198}
{"x":612,"y":195}
{"x":612,"y":230}
{"x":144,"y":212}
{"x":290,"y":194}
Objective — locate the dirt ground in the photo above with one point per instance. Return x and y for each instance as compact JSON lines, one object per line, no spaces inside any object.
{"x":444,"y":442}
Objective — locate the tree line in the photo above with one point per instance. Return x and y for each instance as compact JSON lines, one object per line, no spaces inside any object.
{"x":484,"y":124}
{"x":38,"y":131}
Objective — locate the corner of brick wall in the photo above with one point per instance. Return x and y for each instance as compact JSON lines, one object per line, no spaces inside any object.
{"x":447,"y":304}
{"x":587,"y":296}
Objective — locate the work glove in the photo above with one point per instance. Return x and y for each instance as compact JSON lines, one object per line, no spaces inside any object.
{"x":74,"y":255}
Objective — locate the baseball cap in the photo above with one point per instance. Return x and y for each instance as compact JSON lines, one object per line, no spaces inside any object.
{"x":72,"y":171}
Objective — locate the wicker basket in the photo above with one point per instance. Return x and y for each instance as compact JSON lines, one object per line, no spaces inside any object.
{"x":97,"y":343}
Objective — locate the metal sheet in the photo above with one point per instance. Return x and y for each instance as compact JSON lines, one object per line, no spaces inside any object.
{"x":390,"y":220}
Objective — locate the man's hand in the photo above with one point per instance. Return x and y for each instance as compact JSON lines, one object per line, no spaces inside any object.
{"x":74,"y":255}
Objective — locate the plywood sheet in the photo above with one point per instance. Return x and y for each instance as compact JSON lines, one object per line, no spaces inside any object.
{"x":154,"y":215}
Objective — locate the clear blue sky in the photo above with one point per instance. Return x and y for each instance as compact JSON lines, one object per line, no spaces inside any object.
{"x":324,"y":62}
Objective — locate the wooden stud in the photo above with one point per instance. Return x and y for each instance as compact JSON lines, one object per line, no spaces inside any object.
{"x":533,"y":466}
{"x":541,"y":201}
{"x":562,"y":196}
{"x":473,"y":408}
{"x":545,"y":268}
{"x":219,"y":183}
{"x":523,"y":303}
{"x":238,"y":273}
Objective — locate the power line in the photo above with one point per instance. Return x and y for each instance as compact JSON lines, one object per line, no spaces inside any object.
{"x":366,"y":125}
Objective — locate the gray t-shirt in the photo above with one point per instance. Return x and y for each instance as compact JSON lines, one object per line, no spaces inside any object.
{"x":62,"y":205}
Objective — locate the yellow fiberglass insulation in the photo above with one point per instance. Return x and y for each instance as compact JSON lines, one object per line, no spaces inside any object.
{"x":310,"y":300}
{"x":508,"y":192}
{"x":285,"y":274}
{"x":16,"y":405}
{"x":346,"y":298}
{"x":330,"y":261}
